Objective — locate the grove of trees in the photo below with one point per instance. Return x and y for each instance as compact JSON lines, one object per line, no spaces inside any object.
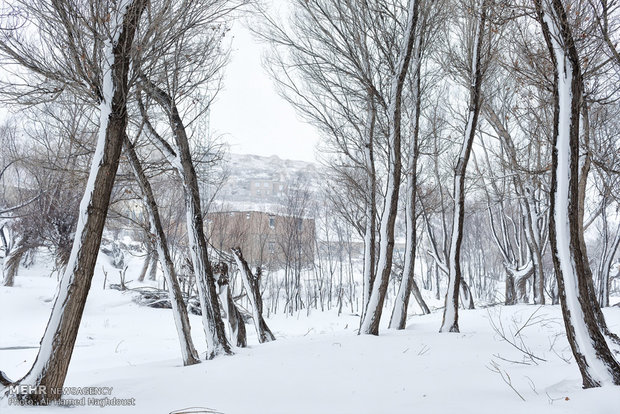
{"x":470,"y":150}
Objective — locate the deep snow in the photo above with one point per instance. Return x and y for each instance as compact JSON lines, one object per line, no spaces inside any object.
{"x":317,"y":365}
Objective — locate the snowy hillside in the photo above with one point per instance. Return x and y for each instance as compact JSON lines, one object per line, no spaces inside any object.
{"x":263,"y":183}
{"x":318,"y":364}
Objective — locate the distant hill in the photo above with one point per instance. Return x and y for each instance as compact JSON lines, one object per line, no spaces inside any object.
{"x":263,"y":183}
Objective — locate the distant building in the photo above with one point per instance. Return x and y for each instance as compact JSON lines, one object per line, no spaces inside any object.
{"x":266,"y":239}
{"x":248,"y":211}
{"x":265,"y":189}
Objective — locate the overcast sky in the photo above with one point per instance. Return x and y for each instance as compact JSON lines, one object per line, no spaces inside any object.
{"x":250,"y":114}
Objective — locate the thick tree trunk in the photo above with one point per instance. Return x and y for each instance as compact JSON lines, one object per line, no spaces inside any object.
{"x":591,"y":352}
{"x":252,"y":288}
{"x":179,"y":310}
{"x":521,"y":277}
{"x":450,"y":321}
{"x":50,"y":367}
{"x":370,"y":323}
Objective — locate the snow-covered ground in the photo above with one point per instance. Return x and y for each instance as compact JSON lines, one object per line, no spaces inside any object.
{"x":317,"y":365}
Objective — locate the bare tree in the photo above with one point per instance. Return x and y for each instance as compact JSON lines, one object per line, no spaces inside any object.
{"x":475,"y":74}
{"x":185,"y":68}
{"x":593,"y":356}
{"x":408,"y":284}
{"x":181,"y":159}
{"x":179,"y":310}
{"x":370,"y":322}
{"x":233,"y":315}
{"x":252,"y":288}
{"x":50,"y":367}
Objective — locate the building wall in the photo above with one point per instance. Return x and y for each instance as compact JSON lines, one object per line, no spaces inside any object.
{"x":266,"y":240}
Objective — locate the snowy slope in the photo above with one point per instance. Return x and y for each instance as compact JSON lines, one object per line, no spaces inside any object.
{"x":244,"y":170}
{"x":317,"y":365}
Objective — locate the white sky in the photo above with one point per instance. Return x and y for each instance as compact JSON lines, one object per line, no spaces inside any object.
{"x":250,"y":114}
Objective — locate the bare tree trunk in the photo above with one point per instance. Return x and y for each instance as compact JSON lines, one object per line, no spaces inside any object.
{"x":233,"y":316}
{"x":12,"y":261}
{"x":252,"y":288}
{"x":371,"y":209}
{"x":145,"y":264}
{"x":532,"y":230}
{"x":591,"y":352}
{"x":153,"y":265}
{"x":179,"y":310}
{"x":181,"y":160}
{"x":450,"y":321}
{"x":607,"y":257}
{"x":510,"y":293}
{"x":370,"y":323}
{"x":521,"y":277}
{"x":534,"y":243}
{"x":50,"y":367}
{"x":408,"y":283}
{"x":468,"y":295}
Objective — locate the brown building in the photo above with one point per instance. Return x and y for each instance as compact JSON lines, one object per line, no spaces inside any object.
{"x":267,"y":240}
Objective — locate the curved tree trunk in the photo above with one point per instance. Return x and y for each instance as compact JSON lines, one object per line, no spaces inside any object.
{"x":12,"y":261}
{"x":528,"y":212}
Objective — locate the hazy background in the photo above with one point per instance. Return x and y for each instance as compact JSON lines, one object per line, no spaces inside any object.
{"x":250,"y":114}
